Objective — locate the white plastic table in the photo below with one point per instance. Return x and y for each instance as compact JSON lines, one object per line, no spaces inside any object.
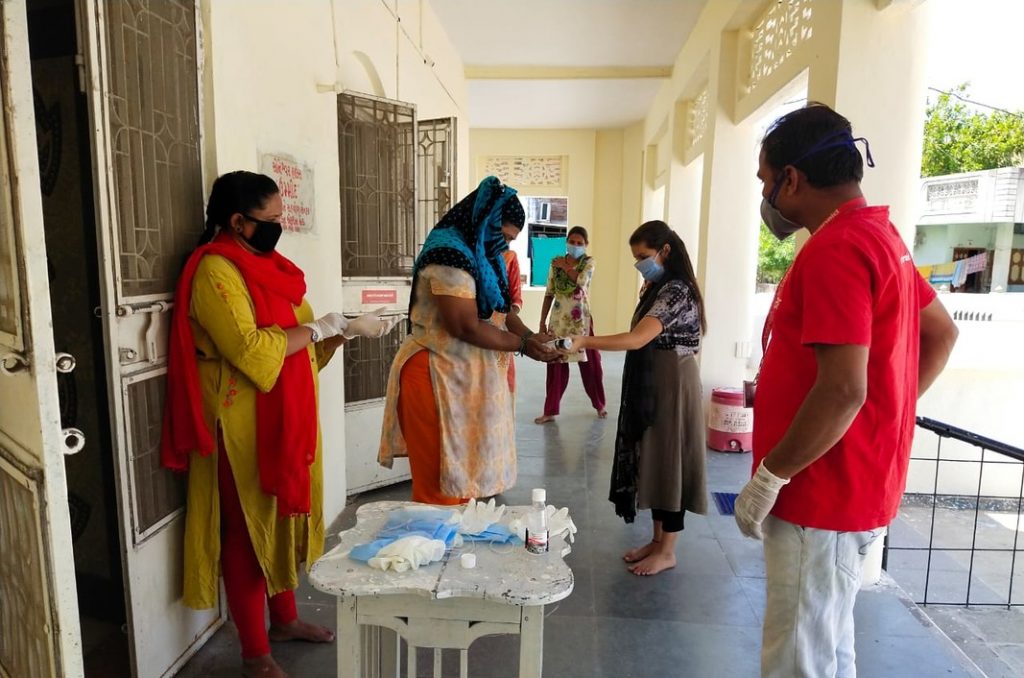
{"x":439,"y":606}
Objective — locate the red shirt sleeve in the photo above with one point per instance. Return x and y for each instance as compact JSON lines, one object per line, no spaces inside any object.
{"x":836,"y":296}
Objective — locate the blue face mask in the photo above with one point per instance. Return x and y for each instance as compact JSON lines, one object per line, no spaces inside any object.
{"x":650,"y":269}
{"x":575,"y":251}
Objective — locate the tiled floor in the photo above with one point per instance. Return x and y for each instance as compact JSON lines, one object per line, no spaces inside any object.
{"x":701,"y":619}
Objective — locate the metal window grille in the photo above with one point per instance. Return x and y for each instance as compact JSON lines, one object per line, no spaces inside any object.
{"x":154,"y":132}
{"x":368,"y":364}
{"x":377,"y":156}
{"x":436,"y":157}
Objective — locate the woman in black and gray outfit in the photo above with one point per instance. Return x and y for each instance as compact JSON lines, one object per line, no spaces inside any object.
{"x":659,"y":447}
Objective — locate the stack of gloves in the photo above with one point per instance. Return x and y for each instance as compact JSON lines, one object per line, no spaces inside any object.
{"x":416,"y":536}
{"x":411,"y":537}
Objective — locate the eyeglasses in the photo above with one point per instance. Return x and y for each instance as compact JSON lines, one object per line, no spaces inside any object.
{"x":260,"y":222}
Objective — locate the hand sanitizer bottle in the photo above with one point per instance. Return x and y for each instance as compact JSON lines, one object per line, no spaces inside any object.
{"x":537,"y":523}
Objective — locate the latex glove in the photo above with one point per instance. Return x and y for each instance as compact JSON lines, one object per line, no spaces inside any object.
{"x":560,"y":523}
{"x":371,"y":325}
{"x":756,"y":500}
{"x":477,"y":516}
{"x":330,"y":325}
{"x":408,"y":553}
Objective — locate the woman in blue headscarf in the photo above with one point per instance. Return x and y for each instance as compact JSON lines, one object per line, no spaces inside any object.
{"x":448,"y":406}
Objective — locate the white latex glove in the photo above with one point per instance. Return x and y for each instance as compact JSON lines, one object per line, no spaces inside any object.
{"x":408,"y":553}
{"x":477,"y":516}
{"x":330,"y":325}
{"x":560,"y":523}
{"x":756,"y":500}
{"x":371,"y":325}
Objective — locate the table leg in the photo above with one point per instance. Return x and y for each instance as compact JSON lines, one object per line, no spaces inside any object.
{"x":531,"y":642}
{"x":349,"y":640}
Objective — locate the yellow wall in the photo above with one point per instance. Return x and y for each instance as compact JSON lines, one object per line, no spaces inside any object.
{"x":602,"y":183}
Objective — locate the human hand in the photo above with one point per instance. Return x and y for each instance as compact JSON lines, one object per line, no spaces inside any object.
{"x":328,"y":326}
{"x":756,"y":500}
{"x":579,"y":344}
{"x":371,"y":325}
{"x":540,"y":351}
{"x":543,"y":337}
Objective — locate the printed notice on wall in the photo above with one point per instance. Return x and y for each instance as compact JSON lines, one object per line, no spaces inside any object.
{"x":296,"y":183}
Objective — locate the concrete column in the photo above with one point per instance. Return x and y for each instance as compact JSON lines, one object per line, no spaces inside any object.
{"x":1001,"y":257}
{"x":871,"y":68}
{"x":726,"y":253}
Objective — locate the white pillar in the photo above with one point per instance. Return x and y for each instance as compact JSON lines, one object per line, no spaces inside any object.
{"x":726,"y":257}
{"x":1001,"y":257}
{"x":871,"y":69}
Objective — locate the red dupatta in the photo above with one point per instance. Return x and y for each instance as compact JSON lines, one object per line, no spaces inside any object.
{"x":286,"y":416}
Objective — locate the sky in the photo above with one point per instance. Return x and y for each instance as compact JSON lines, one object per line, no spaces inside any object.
{"x":978,"y":41}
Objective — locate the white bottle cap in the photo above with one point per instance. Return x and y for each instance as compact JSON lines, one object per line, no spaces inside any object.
{"x":468,"y":560}
{"x":539,"y":495}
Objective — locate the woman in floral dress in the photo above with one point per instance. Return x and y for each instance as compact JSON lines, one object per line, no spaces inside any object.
{"x":566,"y":313}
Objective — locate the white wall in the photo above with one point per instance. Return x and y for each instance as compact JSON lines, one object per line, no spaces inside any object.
{"x":979,"y":391}
{"x":272,"y":68}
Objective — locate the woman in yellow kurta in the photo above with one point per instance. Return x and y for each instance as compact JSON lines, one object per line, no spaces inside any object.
{"x":449,"y":407}
{"x":241,"y":416}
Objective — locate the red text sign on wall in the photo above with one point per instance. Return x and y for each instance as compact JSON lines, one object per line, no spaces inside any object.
{"x":296,"y":183}
{"x":380,"y":296}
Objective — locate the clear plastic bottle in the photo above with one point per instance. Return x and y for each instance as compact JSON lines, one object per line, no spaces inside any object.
{"x":537,"y":523}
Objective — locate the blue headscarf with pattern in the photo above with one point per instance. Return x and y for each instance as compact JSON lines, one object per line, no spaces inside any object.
{"x":469,"y":237}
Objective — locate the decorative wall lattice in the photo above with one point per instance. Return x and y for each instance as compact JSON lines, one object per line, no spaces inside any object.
{"x":783,"y":27}
{"x":697,"y":119}
{"x":952,"y":196}
{"x":526,"y":170}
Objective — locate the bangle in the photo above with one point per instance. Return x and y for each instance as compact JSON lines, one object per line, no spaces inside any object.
{"x":522,"y":346}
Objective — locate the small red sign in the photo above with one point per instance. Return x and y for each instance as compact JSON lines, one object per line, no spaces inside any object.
{"x":380,"y":296}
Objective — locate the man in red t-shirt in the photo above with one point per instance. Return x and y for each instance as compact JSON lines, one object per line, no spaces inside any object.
{"x":853,"y":338}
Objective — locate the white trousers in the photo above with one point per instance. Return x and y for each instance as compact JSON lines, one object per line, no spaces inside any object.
{"x":813,"y":579}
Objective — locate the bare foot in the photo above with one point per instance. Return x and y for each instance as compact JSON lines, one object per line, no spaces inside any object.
{"x":300,"y":630}
{"x":653,"y":564}
{"x":544,"y":419}
{"x":602,"y":414}
{"x":262,"y":667}
{"x":640,"y":552}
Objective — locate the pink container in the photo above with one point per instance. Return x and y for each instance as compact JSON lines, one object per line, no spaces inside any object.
{"x":730,"y":424}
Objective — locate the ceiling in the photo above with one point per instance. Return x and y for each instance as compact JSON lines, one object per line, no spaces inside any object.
{"x":565,"y":63}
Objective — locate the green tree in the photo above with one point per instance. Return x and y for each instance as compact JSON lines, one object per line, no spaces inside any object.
{"x":773,"y":256}
{"x":959,"y":139}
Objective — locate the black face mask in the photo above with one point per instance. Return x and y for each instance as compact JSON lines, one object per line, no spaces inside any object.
{"x":264,"y":238}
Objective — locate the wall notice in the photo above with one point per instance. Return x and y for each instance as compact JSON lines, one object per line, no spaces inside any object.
{"x":296,"y":183}
{"x":384,"y":296}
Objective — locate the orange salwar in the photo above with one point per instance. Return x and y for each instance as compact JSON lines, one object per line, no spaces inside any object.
{"x":421,"y":427}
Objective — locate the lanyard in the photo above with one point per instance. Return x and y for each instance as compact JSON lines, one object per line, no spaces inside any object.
{"x":769,"y":323}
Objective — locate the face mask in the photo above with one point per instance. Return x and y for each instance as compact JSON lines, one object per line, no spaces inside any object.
{"x":650,"y":269}
{"x":575,"y":251}
{"x":264,"y":238}
{"x":780,"y":226}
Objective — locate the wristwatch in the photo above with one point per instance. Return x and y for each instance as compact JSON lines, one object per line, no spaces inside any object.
{"x":315,"y":337}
